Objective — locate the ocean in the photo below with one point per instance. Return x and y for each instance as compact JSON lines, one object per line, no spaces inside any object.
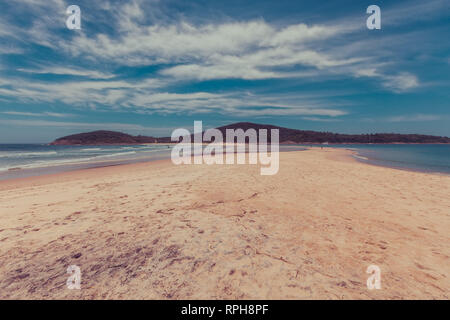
{"x":24,"y":160}
{"x":418,"y":157}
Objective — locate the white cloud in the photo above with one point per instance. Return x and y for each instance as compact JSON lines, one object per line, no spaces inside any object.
{"x":40,"y":114}
{"x":44,"y":18}
{"x":76,"y":92}
{"x":172,"y":43}
{"x":237,"y":104}
{"x":148,"y":95}
{"x":69,"y":71}
{"x":401,"y":82}
{"x":255,"y":65}
{"x":10,"y":50}
{"x":86,"y":126}
{"x":219,"y":50}
{"x":416,"y":117}
{"x":295,"y":111}
{"x":320,"y":119}
{"x":229,"y":50}
{"x":299,"y":33}
{"x":370,"y":72}
{"x":96,"y":126}
{"x":398,"y":82}
{"x":240,"y":50}
{"x":414,"y":12}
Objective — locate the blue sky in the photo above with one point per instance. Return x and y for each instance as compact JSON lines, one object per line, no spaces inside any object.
{"x":148,"y":67}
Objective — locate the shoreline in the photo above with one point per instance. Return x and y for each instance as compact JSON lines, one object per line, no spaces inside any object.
{"x":76,"y":166}
{"x":357,"y":157}
{"x":76,"y":173}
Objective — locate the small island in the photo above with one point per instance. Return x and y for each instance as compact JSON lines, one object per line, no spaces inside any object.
{"x":286,"y":135}
{"x":102,"y":137}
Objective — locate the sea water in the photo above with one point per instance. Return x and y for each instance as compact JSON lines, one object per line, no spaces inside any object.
{"x":420,"y":157}
{"x":22,"y":160}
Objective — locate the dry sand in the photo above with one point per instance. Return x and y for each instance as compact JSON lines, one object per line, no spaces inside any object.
{"x":159,"y":231}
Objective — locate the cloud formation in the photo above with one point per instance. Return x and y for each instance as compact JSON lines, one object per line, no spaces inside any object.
{"x":88,"y":66}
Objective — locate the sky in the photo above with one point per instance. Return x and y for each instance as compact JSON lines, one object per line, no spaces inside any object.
{"x":149,"y":67}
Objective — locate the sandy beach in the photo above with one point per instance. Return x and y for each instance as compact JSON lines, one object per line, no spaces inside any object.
{"x":159,"y":231}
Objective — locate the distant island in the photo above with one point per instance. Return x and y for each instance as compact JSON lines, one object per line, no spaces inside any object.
{"x":287,"y":136}
{"x":102,"y":137}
